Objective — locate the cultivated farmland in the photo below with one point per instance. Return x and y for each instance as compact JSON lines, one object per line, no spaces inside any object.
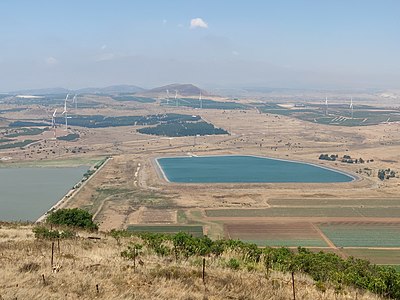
{"x":276,"y":234}
{"x":362,"y":234}
{"x":378,"y":212}
{"x":170,"y":229}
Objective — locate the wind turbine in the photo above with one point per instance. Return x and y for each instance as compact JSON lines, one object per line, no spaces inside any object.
{"x":167,"y":97}
{"x":326,"y":106}
{"x":176,"y":98}
{"x":65,"y":112}
{"x":53,"y":122}
{"x":351,"y":106}
{"x":201,"y":101}
{"x":75,"y":100}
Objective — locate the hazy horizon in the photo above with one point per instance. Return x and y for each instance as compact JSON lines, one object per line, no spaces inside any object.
{"x":224,"y":44}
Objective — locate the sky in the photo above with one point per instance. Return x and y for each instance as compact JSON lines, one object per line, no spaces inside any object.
{"x":315,"y":44}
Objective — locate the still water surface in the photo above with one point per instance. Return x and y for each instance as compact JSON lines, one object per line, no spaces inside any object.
{"x":245,"y":169}
{"x":27,"y":193}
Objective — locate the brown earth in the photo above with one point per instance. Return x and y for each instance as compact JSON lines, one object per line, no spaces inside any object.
{"x":131,"y":190}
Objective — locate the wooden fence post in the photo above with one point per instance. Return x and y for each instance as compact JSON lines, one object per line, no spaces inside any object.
{"x":294,"y":291}
{"x":134,"y":259}
{"x":204,"y":270}
{"x":52,"y":255}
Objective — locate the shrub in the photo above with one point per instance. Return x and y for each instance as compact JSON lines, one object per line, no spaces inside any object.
{"x":42,"y":232}
{"x":233,"y":264}
{"x":72,"y":217}
{"x":132,"y":252}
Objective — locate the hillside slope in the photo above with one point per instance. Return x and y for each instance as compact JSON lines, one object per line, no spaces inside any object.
{"x":182,"y":90}
{"x":94,"y":269}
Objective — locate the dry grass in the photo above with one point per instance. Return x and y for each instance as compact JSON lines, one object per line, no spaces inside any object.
{"x":85,"y":263}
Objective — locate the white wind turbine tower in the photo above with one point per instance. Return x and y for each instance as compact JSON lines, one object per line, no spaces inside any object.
{"x":167,"y":97}
{"x":351,"y":106}
{"x":65,"y":112}
{"x":326,"y":106}
{"x":53,"y":121}
{"x":75,"y":101}
{"x":176,"y":98}
{"x":201,"y":101}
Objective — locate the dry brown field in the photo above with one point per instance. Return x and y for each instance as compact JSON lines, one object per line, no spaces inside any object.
{"x":130,"y":189}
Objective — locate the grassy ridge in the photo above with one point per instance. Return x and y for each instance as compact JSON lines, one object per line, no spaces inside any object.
{"x":126,"y":266}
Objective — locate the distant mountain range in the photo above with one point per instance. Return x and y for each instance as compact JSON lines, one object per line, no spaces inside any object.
{"x":114,"y":89}
{"x":186,"y":90}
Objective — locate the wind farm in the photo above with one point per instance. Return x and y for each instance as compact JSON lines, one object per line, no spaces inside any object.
{"x":104,"y":127}
{"x":230,"y":150}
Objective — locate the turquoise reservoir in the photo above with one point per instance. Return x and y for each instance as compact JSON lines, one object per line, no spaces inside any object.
{"x":245,"y":169}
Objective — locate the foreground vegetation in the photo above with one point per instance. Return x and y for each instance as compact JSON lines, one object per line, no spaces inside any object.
{"x":324,"y":268}
{"x":186,"y":253}
{"x":124,"y":266}
{"x":73,"y":217}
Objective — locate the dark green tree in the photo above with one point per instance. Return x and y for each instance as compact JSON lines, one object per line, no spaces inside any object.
{"x":74,"y":217}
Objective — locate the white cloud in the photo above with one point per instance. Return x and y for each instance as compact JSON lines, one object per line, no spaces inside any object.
{"x":51,"y":61}
{"x":103,"y":47}
{"x":198,"y":23}
{"x":235,"y":53}
{"x":164,"y":22}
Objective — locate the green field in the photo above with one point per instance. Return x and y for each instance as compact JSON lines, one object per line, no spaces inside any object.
{"x":362,"y":234}
{"x":335,"y":202}
{"x":337,"y":114}
{"x":382,"y":212}
{"x":194,"y":230}
{"x":286,"y":242}
{"x":376,"y":256}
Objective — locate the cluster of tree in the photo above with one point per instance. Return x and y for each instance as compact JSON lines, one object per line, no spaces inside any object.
{"x":205,"y":103}
{"x":322,"y":267}
{"x":89,"y":173}
{"x":100,"y":163}
{"x":17,"y":144}
{"x":331,"y":157}
{"x":386,"y":174}
{"x":100,"y":121}
{"x":345,"y":159}
{"x":42,"y":232}
{"x":28,"y":124}
{"x":349,"y":160}
{"x":133,"y":98}
{"x":24,"y":131}
{"x":183,"y":129}
{"x":73,"y":217}
{"x":68,"y":137}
